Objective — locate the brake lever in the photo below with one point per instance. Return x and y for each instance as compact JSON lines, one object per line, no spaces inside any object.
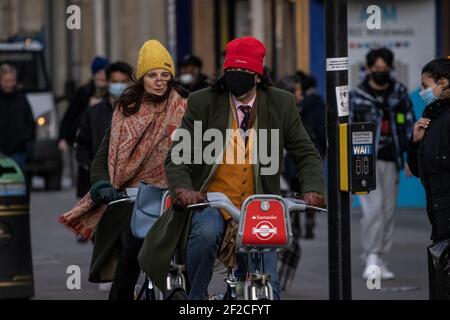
{"x":199,"y":205}
{"x":120,"y":200}
{"x":316,"y":209}
{"x":296,"y":197}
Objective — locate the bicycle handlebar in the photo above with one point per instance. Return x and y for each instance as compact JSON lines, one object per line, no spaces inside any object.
{"x":300,"y":205}
{"x":221,"y":201}
{"x":123,"y":197}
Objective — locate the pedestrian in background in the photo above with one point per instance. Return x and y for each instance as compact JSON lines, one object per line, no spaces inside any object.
{"x":311,"y":107}
{"x":133,"y":151}
{"x":312,"y":111}
{"x":429,"y":159}
{"x":95,"y":121}
{"x":289,"y":260}
{"x":383,"y":100}
{"x":17,"y":126}
{"x":191,"y":76}
{"x":87,"y":95}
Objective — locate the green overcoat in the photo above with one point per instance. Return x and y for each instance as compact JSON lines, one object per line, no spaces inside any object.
{"x":276,"y":110}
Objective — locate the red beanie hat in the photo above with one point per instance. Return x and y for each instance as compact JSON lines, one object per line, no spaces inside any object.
{"x":246,"y":53}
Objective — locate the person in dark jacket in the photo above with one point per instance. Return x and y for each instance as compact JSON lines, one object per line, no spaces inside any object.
{"x":429,"y":159}
{"x":312,"y":110}
{"x":384,"y":101}
{"x":191,"y":77}
{"x":96,"y":120}
{"x":87,"y":95}
{"x":17,"y":126}
{"x":290,"y":259}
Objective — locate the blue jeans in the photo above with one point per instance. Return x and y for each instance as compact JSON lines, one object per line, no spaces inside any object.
{"x":207,"y":231}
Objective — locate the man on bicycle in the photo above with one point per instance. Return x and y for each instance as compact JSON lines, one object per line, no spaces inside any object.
{"x":242,"y":101}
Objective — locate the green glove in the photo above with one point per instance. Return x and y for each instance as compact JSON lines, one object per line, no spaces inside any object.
{"x":103,"y":192}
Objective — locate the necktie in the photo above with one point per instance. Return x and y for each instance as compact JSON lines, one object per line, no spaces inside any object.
{"x":245,"y":122}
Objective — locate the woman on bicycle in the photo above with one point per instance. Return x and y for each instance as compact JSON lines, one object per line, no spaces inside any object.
{"x":133,"y":150}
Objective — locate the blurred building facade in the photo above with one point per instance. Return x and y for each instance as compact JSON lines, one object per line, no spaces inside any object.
{"x":293,"y":31}
{"x":117,"y":28}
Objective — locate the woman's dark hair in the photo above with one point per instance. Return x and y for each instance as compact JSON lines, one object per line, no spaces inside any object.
{"x":121,"y":67}
{"x":383,"y":53}
{"x":219,"y":82}
{"x":438,"y":69}
{"x":130,"y":100}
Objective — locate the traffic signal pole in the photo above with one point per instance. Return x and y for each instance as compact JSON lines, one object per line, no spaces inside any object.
{"x":337,"y":113}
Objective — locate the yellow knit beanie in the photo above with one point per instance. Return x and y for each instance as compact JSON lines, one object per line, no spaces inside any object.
{"x":153,"y":55}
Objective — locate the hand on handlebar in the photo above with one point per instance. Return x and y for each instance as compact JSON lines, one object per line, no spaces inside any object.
{"x":314,"y":199}
{"x":185,"y":197}
{"x":103,"y":192}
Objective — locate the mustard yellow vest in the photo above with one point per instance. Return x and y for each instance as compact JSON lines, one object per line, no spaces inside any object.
{"x":234,"y":177}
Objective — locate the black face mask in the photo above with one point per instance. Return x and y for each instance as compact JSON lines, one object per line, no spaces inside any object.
{"x":381,"y":78}
{"x":239,"y":82}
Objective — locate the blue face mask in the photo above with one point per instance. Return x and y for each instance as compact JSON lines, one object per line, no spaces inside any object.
{"x":428,"y":96}
{"x":116,"y":89}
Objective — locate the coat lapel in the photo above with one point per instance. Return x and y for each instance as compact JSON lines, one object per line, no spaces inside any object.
{"x":221,"y":120}
{"x":264,"y":115}
{"x":222,"y":114}
{"x":263,"y":122}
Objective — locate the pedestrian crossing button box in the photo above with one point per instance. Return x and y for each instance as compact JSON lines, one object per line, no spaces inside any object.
{"x":357,"y":157}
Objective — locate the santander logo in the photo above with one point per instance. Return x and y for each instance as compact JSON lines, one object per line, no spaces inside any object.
{"x":240,"y":61}
{"x":258,"y":217}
